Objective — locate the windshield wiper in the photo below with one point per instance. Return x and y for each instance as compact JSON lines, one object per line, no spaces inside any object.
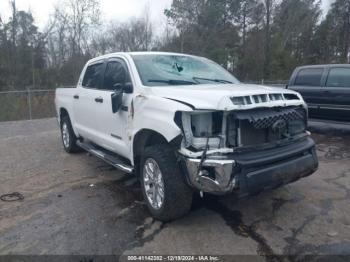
{"x":213,"y":80}
{"x":172,"y":82}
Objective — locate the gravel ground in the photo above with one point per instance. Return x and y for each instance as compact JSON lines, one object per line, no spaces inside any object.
{"x":78,"y":205}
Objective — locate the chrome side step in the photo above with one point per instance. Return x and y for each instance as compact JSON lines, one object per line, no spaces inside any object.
{"x":107,"y":157}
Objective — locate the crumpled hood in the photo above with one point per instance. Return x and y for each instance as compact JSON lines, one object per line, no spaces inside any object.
{"x":218,"y":97}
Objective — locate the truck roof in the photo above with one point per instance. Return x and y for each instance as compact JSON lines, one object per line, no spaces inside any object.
{"x":110,"y":55}
{"x":324,"y":65}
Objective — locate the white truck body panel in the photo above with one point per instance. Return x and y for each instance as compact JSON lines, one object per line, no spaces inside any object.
{"x":149,"y":108}
{"x":159,"y":118}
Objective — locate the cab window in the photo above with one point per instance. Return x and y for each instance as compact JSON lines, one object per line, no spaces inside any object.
{"x":115,"y":75}
{"x":339,"y":77}
{"x":309,"y":77}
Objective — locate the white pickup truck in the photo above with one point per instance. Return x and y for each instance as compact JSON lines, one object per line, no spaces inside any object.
{"x":183,"y":124}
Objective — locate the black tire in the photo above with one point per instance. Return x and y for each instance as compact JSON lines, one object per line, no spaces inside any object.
{"x":177,"y":194}
{"x":71,"y":146}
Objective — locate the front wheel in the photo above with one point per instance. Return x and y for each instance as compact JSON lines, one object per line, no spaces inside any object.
{"x":164,"y":188}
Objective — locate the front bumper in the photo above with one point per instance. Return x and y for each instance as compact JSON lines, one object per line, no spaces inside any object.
{"x":252,"y":171}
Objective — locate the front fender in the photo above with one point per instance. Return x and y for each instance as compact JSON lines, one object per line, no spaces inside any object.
{"x":157,"y":113}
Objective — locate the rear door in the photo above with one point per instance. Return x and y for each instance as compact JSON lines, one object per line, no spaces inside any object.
{"x":86,"y":104}
{"x":308,"y":82}
{"x":335,"y":102}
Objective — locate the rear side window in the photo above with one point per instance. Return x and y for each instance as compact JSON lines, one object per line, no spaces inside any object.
{"x":339,"y":77}
{"x":93,"y":75}
{"x":309,"y":77}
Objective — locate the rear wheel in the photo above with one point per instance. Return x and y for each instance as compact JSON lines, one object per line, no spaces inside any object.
{"x":69,"y":140}
{"x":164,"y":188}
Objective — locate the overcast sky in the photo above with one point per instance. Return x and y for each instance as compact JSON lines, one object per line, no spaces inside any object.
{"x":119,"y":10}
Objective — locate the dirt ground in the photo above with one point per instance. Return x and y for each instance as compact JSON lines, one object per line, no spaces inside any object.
{"x":78,"y":205}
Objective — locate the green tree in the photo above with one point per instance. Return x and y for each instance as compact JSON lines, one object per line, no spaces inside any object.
{"x":248,"y":14}
{"x":205,"y":28}
{"x":22,"y":50}
{"x":295,"y":23}
{"x":333,"y":35}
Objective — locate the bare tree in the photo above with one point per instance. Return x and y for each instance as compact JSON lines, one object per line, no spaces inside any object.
{"x":82,"y":15}
{"x":346,"y":51}
{"x":72,"y":24}
{"x":134,"y":35}
{"x":269,"y":5}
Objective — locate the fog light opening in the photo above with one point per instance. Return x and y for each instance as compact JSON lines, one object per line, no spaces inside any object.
{"x":209,"y":172}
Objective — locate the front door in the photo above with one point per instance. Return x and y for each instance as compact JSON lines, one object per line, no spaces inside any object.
{"x":113,"y":127}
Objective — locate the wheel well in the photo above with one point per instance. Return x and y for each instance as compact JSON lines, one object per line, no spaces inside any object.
{"x":145,"y":138}
{"x":63,"y":113}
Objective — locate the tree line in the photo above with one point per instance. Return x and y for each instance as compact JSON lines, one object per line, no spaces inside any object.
{"x":254,"y":39}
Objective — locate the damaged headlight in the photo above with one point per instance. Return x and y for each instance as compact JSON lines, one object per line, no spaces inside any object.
{"x":206,"y":124}
{"x":199,"y":126}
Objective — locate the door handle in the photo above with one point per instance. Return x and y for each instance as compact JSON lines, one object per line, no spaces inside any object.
{"x":76,"y":97}
{"x":99,"y":100}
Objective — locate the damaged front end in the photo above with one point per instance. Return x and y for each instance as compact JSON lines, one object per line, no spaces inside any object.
{"x":245,"y":151}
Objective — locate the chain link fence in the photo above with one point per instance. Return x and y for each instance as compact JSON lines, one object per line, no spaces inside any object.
{"x":34,"y":104}
{"x":27,"y":104}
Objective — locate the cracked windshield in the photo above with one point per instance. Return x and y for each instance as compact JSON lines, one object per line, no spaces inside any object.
{"x":160,"y":70}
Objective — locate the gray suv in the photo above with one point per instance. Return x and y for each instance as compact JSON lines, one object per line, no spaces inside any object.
{"x":325,"y":88}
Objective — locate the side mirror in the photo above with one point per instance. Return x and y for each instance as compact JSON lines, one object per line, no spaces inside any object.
{"x":117,"y":100}
{"x":117,"y":96}
{"x":128,"y":88}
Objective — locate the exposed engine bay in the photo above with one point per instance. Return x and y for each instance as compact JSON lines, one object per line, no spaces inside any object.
{"x":212,"y":142}
{"x":219,"y":130}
